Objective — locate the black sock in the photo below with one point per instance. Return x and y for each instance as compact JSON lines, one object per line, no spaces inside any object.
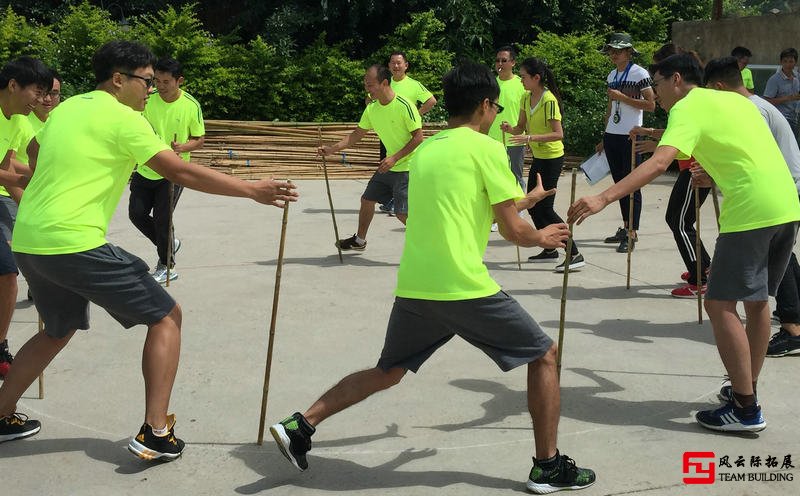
{"x":548,"y":464}
{"x":743,"y":400}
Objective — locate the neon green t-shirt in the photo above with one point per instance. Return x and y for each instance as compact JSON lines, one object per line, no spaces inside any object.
{"x":393,"y":123}
{"x":511,"y":93}
{"x":412,"y":90}
{"x":455,"y":178}
{"x":747,"y":79}
{"x":183,"y":118}
{"x":87,"y":150}
{"x":538,"y":122}
{"x":725,"y":132}
{"x":12,"y":131}
{"x":27,"y":132}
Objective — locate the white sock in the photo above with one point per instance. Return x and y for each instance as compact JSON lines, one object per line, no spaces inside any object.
{"x":359,"y":240}
{"x":160,"y":432}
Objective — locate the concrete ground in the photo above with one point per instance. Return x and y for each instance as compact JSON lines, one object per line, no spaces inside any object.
{"x":636,"y":368}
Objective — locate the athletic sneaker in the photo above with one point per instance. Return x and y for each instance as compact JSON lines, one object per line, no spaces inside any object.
{"x":544,"y":256}
{"x":160,"y":274}
{"x":17,"y":426}
{"x":564,"y":476}
{"x":293,"y":436}
{"x":623,"y":245}
{"x":5,"y":359}
{"x":576,"y":263}
{"x":725,"y":394}
{"x":685,"y":276}
{"x":176,"y":246}
{"x":782,"y":343}
{"x":351,"y":244}
{"x":387,"y":207}
{"x":729,"y":418}
{"x":688,"y":291}
{"x":148,"y":446}
{"x":621,"y":234}
{"x":494,"y":227}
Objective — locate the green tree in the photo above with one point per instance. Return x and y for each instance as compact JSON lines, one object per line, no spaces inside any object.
{"x":19,"y":37}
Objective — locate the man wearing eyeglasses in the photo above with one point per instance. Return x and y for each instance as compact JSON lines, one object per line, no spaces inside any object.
{"x":511,"y":93}
{"x":83,"y":158}
{"x":178,"y":120}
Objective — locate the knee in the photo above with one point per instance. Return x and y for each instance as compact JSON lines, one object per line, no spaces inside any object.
{"x":392,"y":377}
{"x":172,"y":320}
{"x":548,"y":359}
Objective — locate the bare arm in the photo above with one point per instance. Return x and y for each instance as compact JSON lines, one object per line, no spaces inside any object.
{"x":646,"y":103}
{"x":427,"y":106}
{"x":519,"y":232}
{"x":33,"y":154}
{"x":194,"y":143}
{"x":389,"y":162}
{"x":777,"y":100}
{"x":557,"y":134}
{"x":646,"y":172}
{"x":522,"y":121}
{"x":11,"y":180}
{"x":346,"y":142}
{"x":267,"y":191}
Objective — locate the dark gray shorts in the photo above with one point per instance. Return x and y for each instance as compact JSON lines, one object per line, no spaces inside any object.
{"x":383,"y":187}
{"x":749,"y":265}
{"x":7,"y":265}
{"x":8,"y":215}
{"x":496,"y":324}
{"x":63,"y":285}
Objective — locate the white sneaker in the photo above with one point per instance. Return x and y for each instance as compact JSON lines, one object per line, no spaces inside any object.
{"x":160,"y":274}
{"x":494,"y":227}
{"x":176,"y":246}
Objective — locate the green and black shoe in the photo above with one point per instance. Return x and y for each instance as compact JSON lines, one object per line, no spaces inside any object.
{"x":293,"y":436}
{"x":563,"y":476}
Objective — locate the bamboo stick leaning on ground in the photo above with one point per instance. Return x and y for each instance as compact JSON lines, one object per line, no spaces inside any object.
{"x":567,"y":262}
{"x":519,"y":257}
{"x":41,"y":376}
{"x":273,"y":320}
{"x":697,"y":257}
{"x":630,"y":217}
{"x":330,"y":199}
{"x":170,"y":240}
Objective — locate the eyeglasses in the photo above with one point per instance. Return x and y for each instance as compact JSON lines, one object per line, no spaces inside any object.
{"x":55,"y":95}
{"x":499,"y":107}
{"x":502,"y":61}
{"x":147,"y":81}
{"x":656,"y":82}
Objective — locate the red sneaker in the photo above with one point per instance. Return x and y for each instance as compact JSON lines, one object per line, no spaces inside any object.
{"x":688,"y":291}
{"x":685,"y":276}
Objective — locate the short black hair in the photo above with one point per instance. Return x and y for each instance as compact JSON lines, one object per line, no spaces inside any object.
{"x":509,"y":49}
{"x":397,"y":52}
{"x":170,"y":65}
{"x":26,"y":71}
{"x":725,"y":70}
{"x":120,"y":56}
{"x":684,"y":64}
{"x":740,"y":52}
{"x":789,"y":52}
{"x":56,"y":75}
{"x":465,"y":86}
{"x":382,"y":73}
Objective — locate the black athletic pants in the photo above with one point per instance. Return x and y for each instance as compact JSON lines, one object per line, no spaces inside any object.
{"x":149,"y":196}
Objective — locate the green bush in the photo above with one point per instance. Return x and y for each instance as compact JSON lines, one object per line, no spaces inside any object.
{"x":18,"y":37}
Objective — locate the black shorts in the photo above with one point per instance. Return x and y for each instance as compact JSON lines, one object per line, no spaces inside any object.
{"x":383,"y":187}
{"x":64,"y":285}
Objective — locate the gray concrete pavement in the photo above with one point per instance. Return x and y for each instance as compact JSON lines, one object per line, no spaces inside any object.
{"x":636,"y":367}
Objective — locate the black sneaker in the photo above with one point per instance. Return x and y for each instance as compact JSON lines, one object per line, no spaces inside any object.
{"x":351,"y":244}
{"x":544,"y":256}
{"x":564,"y":476}
{"x":616,"y":238}
{"x":782,"y":343}
{"x":623,"y":245}
{"x":576,"y":263}
{"x":17,"y":426}
{"x":5,"y":359}
{"x":293,"y":436}
{"x":148,"y":446}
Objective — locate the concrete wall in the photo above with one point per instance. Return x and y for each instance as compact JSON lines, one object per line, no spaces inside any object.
{"x":765,"y":36}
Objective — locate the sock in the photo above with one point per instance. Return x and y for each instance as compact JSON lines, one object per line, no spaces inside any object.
{"x":160,"y":432}
{"x":743,"y":400}
{"x":359,"y":240}
{"x":548,"y":464}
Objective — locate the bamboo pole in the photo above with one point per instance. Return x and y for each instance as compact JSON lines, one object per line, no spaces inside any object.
{"x":564,"y":284}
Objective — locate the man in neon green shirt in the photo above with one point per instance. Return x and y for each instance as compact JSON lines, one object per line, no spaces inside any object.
{"x":743,"y":55}
{"x":178,"y":120}
{"x":398,"y":124}
{"x":511,"y":93}
{"x":23,"y":82}
{"x":460,"y":180}
{"x":407,"y":87}
{"x":727,"y":135}
{"x":82,"y":158}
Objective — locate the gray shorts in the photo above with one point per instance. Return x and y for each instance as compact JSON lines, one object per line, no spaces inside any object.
{"x":383,"y":187}
{"x":749,"y":265}
{"x":8,"y":215}
{"x":496,"y":324}
{"x":63,"y":285}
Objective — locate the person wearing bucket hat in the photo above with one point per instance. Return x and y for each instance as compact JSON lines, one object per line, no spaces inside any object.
{"x":629,"y":95}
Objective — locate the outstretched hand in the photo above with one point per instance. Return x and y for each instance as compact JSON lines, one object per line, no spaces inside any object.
{"x":553,"y":236}
{"x":276,"y":193}
{"x":584,"y":207}
{"x":538,"y":193}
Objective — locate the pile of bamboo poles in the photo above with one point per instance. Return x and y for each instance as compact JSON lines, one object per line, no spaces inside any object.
{"x":259,"y":149}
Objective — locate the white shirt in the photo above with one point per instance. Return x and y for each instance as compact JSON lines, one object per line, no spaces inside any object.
{"x":630,"y":84}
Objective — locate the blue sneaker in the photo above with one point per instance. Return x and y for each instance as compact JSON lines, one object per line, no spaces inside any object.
{"x":728,"y":418}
